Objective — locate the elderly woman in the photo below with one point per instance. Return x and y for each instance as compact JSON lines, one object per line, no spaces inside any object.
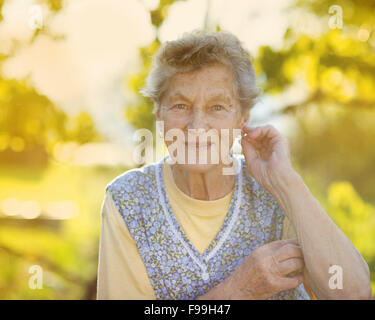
{"x":187,"y":230}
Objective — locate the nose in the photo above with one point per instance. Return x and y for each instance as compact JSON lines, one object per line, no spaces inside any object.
{"x":198,"y":120}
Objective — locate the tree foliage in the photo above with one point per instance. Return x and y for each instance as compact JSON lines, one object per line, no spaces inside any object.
{"x":139,"y":112}
{"x":30,"y":121}
{"x":335,"y":70}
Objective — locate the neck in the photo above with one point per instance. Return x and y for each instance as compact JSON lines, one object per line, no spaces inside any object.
{"x":210,"y":185}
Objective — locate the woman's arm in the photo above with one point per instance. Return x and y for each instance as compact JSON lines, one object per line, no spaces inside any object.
{"x":290,"y":233}
{"x":121,"y":272}
{"x":323,"y":243}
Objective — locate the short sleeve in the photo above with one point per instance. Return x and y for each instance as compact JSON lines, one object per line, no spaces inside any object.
{"x":121,"y":271}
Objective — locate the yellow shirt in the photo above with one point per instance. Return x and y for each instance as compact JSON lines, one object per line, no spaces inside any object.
{"x":121,"y":272}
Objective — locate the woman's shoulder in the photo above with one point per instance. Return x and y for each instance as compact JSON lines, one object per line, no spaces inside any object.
{"x":133,"y":178}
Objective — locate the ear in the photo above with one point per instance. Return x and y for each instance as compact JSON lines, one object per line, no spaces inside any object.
{"x":244,"y":118}
{"x":157,"y":111}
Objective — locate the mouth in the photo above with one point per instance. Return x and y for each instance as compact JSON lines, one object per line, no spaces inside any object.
{"x":198,"y":145}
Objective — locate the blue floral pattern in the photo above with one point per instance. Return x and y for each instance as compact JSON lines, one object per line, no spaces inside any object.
{"x":175,"y":268}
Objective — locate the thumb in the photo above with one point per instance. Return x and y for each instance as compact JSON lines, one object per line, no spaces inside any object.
{"x":248,"y":150}
{"x":278,"y":243}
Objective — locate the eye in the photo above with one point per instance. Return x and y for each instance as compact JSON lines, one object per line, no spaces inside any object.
{"x":217,"y":107}
{"x":180,"y":106}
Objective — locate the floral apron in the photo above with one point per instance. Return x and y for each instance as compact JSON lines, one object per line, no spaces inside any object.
{"x":175,"y":268}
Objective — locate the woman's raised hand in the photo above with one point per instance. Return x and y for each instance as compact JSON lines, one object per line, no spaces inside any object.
{"x":267,"y":154}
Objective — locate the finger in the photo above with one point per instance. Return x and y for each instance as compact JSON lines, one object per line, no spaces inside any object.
{"x":248,"y":134}
{"x":260,"y":131}
{"x":256,"y":145}
{"x":273,"y":246}
{"x":287,"y":283}
{"x":250,"y":130}
{"x":279,"y":243}
{"x":269,"y":131}
{"x":288,"y":251}
{"x":262,"y":137}
{"x":252,"y":135}
{"x":291,"y":265}
{"x":249,"y":151}
{"x":273,"y":141}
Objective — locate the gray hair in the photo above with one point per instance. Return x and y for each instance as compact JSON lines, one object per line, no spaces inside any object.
{"x":195,"y":50}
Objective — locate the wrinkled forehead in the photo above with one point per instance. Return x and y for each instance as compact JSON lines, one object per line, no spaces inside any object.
{"x":211,"y":82}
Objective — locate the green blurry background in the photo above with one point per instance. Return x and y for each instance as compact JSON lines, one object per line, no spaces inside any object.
{"x":54,"y":164}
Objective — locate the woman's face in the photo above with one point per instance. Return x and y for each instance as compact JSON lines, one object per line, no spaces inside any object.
{"x":201,"y":100}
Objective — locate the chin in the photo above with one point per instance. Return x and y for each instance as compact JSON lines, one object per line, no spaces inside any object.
{"x":197,"y":168}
